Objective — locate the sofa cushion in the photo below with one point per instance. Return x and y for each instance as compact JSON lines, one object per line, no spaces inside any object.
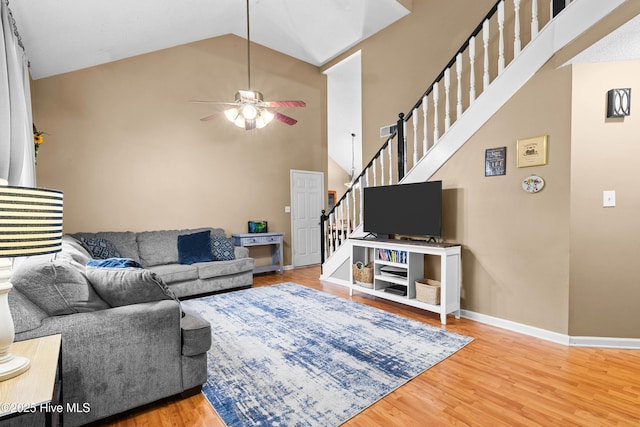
{"x":56,"y":285}
{"x":124,"y":241}
{"x":161,"y":247}
{"x":126,"y":286}
{"x":196,"y":334}
{"x":195,"y":247}
{"x":172,"y":273}
{"x":222,"y":248}
{"x":75,"y":250}
{"x":100,"y":248}
{"x":208,"y":270}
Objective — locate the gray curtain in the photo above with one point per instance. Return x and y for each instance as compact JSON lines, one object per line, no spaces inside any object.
{"x":17,"y":158}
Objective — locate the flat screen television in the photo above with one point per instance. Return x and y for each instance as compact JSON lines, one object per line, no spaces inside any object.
{"x":406,"y":209}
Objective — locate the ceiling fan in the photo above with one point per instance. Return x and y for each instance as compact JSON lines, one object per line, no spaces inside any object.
{"x":250,"y":110}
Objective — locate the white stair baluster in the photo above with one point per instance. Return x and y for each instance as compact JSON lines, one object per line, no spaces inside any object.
{"x":459,"y":92}
{"x":390,"y":149}
{"x":415,"y":136}
{"x":472,"y":75}
{"x":500,"y":37}
{"x":341,"y":220}
{"x":485,"y":41}
{"x":517,"y":44}
{"x":373,"y":167}
{"x":447,"y":106}
{"x":534,"y":19}
{"x":382,"y":167}
{"x":425,"y":140}
{"x":550,"y":10}
{"x":353,"y":202}
{"x":436,"y":134}
{"x":362,"y":185}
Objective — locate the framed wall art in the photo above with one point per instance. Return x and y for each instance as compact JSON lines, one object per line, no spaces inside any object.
{"x":532,"y":151}
{"x":495,"y":161}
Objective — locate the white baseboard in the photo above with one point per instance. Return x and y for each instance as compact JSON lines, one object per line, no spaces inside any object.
{"x":602,"y":342}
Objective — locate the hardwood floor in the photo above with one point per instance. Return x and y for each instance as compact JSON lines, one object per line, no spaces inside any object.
{"x":500,"y":379}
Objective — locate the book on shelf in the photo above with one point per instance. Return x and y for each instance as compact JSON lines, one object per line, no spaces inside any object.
{"x":392,"y":255}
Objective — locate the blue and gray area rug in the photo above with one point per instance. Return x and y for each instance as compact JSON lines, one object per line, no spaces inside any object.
{"x":287,"y":355}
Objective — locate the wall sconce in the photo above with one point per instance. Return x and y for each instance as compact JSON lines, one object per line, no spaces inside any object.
{"x":619,"y":102}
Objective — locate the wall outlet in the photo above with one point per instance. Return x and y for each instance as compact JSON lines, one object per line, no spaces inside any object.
{"x":608,"y":198}
{"x":287,"y":209}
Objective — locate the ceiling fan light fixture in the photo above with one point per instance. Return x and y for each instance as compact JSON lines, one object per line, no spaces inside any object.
{"x":264,"y":118}
{"x":249,"y":111}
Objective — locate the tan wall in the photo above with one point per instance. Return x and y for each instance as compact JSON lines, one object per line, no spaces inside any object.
{"x":605,"y":272}
{"x":130,"y":152}
{"x":515,"y":244}
{"x":337,"y":178}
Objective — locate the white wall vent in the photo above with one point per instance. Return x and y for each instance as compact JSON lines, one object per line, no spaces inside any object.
{"x":387,"y":131}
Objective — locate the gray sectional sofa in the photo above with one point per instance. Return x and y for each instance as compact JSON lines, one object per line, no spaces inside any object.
{"x":115,"y":355}
{"x":158,"y":252}
{"x":126,"y":340}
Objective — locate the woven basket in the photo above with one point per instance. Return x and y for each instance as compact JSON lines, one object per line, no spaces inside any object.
{"x":363,"y":274}
{"x":428,"y":291}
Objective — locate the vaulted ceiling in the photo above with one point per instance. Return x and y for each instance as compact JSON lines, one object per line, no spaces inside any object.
{"x":66,"y":35}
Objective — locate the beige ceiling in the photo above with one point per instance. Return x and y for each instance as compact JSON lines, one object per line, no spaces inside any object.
{"x":67,"y":35}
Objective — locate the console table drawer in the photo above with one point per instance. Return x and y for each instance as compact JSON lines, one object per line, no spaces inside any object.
{"x":260,"y":240}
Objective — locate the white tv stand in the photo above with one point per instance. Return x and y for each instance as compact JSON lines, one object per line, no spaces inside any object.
{"x":366,"y":250}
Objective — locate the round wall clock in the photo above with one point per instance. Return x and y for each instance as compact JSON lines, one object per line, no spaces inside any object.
{"x":532,"y":184}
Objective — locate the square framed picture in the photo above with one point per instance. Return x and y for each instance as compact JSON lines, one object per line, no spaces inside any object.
{"x":532,"y":151}
{"x":495,"y":161}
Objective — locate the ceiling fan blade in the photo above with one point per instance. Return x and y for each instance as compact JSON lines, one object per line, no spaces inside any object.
{"x":284,"y":104}
{"x":213,"y":102}
{"x":212,"y":116}
{"x":284,"y":119}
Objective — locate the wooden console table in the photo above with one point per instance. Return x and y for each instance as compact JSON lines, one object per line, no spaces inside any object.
{"x":37,"y":389}
{"x":261,"y":239}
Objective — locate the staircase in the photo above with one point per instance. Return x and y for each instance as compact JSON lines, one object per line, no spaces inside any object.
{"x":430,"y":133}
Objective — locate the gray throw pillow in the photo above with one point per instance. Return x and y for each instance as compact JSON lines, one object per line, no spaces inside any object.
{"x":126,"y":286}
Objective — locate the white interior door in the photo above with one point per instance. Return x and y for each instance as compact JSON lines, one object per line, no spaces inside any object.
{"x":307,"y":202}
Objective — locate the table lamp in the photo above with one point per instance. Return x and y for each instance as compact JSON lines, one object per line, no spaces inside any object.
{"x":30,"y":224}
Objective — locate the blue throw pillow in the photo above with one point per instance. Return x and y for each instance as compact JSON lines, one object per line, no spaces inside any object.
{"x":195,"y":247}
{"x":222,"y":248}
{"x":100,"y":248}
{"x":114,"y":263}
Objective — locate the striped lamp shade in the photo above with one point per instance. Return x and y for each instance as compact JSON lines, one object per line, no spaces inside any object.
{"x":30,"y":221}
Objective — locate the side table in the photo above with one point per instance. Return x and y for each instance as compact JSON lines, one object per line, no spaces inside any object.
{"x":260,"y":239}
{"x":39,"y":388}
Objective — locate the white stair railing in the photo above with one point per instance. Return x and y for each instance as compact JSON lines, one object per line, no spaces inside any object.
{"x":339,"y":226}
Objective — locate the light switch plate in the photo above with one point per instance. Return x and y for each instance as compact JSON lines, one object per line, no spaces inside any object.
{"x":608,"y":198}
{"x":287,"y":209}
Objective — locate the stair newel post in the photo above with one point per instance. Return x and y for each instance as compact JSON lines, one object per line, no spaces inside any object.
{"x":402,"y":146}
{"x":323,"y":237}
